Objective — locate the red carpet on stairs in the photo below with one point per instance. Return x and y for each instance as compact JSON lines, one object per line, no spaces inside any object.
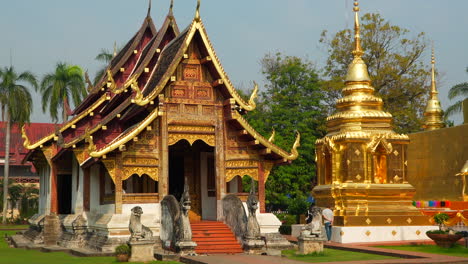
{"x":214,"y":238}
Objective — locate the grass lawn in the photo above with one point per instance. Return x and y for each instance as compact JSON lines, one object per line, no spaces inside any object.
{"x":457,"y":250}
{"x":3,"y":227}
{"x":330,"y":255}
{"x":21,"y":256}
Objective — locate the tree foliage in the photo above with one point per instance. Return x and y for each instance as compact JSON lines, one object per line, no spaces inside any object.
{"x":16,"y":105}
{"x":458,"y":90}
{"x":290,"y":103}
{"x":395,"y":61}
{"x":58,"y":87}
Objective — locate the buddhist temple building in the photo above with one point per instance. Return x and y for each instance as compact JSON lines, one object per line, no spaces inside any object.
{"x":362,"y":165}
{"x":164,"y":113}
{"x":433,"y":115}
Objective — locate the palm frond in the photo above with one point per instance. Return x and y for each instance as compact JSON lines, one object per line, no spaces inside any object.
{"x":454,"y":109}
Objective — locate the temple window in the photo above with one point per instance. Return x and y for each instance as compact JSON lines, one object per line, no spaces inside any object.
{"x":240,"y":186}
{"x":138,"y":189}
{"x":107,"y":188}
{"x":137,"y":184}
{"x":380,"y":165}
{"x":327,"y":166}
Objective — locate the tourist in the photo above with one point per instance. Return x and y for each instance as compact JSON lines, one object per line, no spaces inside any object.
{"x":327,"y":214}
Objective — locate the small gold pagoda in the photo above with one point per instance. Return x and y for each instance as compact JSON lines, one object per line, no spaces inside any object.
{"x":361,"y":161}
{"x":433,"y":116}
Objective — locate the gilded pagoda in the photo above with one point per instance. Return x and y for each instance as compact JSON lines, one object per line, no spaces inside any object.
{"x":362,"y":163}
{"x":433,"y":115}
{"x":164,"y":113}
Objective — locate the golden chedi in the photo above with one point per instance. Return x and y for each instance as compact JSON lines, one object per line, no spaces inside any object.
{"x":433,"y":115}
{"x":361,"y":161}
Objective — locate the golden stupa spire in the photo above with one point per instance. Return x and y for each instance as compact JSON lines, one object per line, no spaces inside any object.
{"x":171,"y":6}
{"x":433,"y":114}
{"x":359,"y":108}
{"x":357,"y":70}
{"x":357,"y":52}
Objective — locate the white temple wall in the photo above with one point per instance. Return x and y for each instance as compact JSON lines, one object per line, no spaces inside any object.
{"x":95,"y":206}
{"x":44,"y":189}
{"x":74,"y":184}
{"x":77,"y":187}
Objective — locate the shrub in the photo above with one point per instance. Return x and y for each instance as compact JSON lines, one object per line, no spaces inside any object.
{"x":285,"y":230}
{"x":440,"y":219}
{"x":287,"y":219}
{"x":123,"y":249}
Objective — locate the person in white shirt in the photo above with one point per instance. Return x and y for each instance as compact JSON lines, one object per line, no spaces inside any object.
{"x":327,"y":214}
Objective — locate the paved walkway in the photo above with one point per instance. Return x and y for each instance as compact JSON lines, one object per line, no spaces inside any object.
{"x":405,"y":256}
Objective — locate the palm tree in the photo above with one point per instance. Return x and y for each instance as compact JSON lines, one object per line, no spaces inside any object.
{"x":16,"y":104}
{"x":460,"y":89}
{"x":104,"y":56}
{"x":57,"y":88}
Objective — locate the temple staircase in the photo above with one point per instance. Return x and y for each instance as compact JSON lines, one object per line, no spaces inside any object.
{"x":214,"y":237}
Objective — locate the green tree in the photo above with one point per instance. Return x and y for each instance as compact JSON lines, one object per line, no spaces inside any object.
{"x":104,"y":56}
{"x":395,"y":61}
{"x":457,"y":90}
{"x":57,"y":88}
{"x":16,"y":104}
{"x":290,"y":103}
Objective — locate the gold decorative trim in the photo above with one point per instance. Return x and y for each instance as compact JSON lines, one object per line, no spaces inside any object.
{"x":289,"y":156}
{"x":124,"y":138}
{"x":231,"y":173}
{"x":69,"y":124}
{"x":191,"y":138}
{"x":152,"y":172}
{"x":111,"y":168}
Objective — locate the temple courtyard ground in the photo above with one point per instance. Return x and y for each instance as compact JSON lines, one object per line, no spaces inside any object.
{"x":334,"y":253}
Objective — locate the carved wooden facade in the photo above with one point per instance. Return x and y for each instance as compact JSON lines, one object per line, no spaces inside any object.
{"x":163,"y":88}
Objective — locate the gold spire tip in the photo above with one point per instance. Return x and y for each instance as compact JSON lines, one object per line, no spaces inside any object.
{"x":149,"y":8}
{"x":197,"y":12}
{"x":357,"y":31}
{"x":171,"y":6}
{"x":115,"y":48}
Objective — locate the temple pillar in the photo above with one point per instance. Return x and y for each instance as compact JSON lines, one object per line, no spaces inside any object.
{"x":53,"y":189}
{"x":163,"y":188}
{"x":86,"y":189}
{"x":220,"y":162}
{"x":118,"y":184}
{"x":261,"y":187}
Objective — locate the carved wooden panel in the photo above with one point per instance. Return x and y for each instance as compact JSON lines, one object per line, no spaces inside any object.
{"x":179,"y":91}
{"x":191,"y":72}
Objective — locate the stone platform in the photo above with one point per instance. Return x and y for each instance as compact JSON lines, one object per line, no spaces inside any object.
{"x":362,"y":234}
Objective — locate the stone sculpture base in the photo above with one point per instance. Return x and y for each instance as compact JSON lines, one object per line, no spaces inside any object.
{"x":186,"y":248}
{"x":142,"y":251}
{"x":253,"y":246}
{"x":52,"y":230}
{"x":309,"y":245}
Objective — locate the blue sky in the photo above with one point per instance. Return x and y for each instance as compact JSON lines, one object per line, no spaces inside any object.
{"x":41,"y":33}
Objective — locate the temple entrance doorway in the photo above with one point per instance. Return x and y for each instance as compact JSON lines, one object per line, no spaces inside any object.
{"x":195,"y":164}
{"x":64,"y":193}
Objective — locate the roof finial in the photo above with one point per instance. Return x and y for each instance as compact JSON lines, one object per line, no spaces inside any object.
{"x":115,"y":49}
{"x":149,"y":8}
{"x":433,"y":82}
{"x":357,"y":52}
{"x":171,"y":6}
{"x":197,"y":12}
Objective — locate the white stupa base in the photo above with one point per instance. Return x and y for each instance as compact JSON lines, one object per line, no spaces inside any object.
{"x":364,"y":234}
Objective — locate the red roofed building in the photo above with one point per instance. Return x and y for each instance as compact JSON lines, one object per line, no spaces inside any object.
{"x":21,"y":172}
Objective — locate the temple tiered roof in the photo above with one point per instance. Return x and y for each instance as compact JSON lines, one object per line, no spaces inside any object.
{"x":126,"y":100}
